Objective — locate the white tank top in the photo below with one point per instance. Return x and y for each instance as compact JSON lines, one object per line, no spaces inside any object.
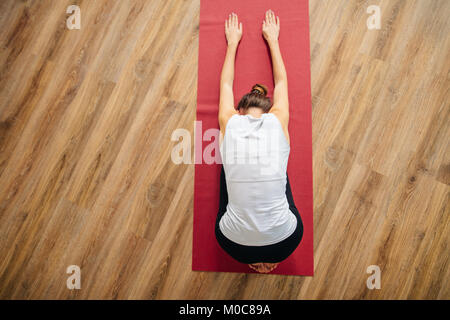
{"x":255,"y":154}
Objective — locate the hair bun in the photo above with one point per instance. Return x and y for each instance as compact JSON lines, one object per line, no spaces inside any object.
{"x":259,"y":89}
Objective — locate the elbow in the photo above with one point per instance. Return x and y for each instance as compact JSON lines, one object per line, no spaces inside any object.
{"x":281,"y":78}
{"x":226,"y":84}
{"x":281,"y":81}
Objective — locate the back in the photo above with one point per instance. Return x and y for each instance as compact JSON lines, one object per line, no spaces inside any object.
{"x":255,"y":154}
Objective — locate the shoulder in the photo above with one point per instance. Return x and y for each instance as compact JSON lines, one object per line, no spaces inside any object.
{"x":235,"y":118}
{"x":282,"y":117}
{"x":228,"y":123}
{"x":281,"y":123}
{"x":274,"y":118}
{"x":224,"y":120}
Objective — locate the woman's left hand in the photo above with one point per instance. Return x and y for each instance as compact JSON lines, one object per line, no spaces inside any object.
{"x":233,"y":29}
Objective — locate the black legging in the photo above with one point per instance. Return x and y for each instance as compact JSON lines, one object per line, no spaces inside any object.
{"x":272,"y":253}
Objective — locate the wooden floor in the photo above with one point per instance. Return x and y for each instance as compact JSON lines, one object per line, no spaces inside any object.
{"x":85,"y":171}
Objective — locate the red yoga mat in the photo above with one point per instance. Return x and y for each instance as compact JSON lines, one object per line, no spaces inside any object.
{"x":253,"y":65}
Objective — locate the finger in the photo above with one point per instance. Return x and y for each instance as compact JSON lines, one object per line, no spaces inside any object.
{"x":240,"y":27}
{"x":272,"y":17}
{"x":226,"y":24}
{"x":267,"y":15}
{"x":278,"y":21}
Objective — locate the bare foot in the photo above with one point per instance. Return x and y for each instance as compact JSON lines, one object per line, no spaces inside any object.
{"x":263,"y":267}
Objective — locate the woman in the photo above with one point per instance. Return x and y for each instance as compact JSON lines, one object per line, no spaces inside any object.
{"x":258,"y":222}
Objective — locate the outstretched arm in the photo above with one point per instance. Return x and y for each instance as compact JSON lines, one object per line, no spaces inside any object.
{"x":233,"y":33}
{"x":271,"y":29}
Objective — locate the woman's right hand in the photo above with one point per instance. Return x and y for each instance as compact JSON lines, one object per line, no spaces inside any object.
{"x":271,"y":26}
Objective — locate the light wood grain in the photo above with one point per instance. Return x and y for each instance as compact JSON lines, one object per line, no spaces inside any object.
{"x":86,"y":177}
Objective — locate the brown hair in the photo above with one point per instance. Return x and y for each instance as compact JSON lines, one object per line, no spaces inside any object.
{"x":256,"y":98}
